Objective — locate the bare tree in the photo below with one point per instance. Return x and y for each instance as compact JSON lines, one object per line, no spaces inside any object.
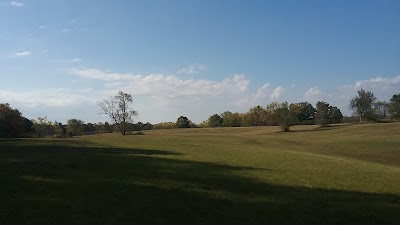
{"x":117,"y":108}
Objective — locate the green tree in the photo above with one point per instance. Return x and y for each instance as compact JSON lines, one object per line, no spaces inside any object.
{"x":59,"y":130}
{"x":286,"y":118}
{"x":183,"y":122}
{"x":335,"y":115}
{"x":327,"y":114}
{"x":75,"y":127}
{"x":322,"y":115}
{"x":43,"y":127}
{"x":394,"y":107}
{"x":258,"y":116}
{"x":165,"y":125}
{"x":246,"y":120}
{"x":108,"y":128}
{"x":28,"y":126}
{"x":304,"y":111}
{"x":99,"y":128}
{"x":272,"y":117}
{"x":89,"y":128}
{"x":215,"y":121}
{"x":381,"y":109}
{"x":363,"y":105}
{"x":147,"y":126}
{"x":118,"y":109}
{"x":11,"y":121}
{"x":230,"y":119}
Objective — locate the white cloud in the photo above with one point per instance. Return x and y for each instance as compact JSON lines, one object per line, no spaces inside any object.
{"x":43,"y":26}
{"x":378,"y":82}
{"x":192,"y":69}
{"x":312,"y":92}
{"x":17,"y":4}
{"x":333,"y":97}
{"x":21,"y":54}
{"x":48,"y":97}
{"x":277,"y":92}
{"x":262,"y":92}
{"x":65,"y":30}
{"x":101,"y":75}
{"x":74,"y":60}
{"x":168,"y":85}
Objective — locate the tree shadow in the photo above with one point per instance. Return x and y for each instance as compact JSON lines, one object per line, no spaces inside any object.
{"x":66,"y":184}
{"x":320,"y":129}
{"x":69,"y":145}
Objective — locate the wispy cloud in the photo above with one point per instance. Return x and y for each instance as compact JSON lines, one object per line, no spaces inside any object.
{"x":315,"y":94}
{"x":17,"y":4}
{"x":312,"y":93}
{"x":192,"y":69}
{"x":378,"y":82}
{"x":277,"y":92}
{"x":102,"y":75}
{"x":74,"y":60}
{"x":65,"y":30}
{"x":43,"y":26}
{"x":22,"y":54}
{"x":262,"y":92}
{"x":58,"y":97}
{"x":168,"y":85}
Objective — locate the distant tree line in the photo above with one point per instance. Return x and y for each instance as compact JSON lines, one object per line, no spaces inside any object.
{"x":13,"y":124}
{"x":365,"y":106}
{"x":281,"y":114}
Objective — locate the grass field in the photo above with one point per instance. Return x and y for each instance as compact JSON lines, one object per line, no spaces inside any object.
{"x":346,"y":174}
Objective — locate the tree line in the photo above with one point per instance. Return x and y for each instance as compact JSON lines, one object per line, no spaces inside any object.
{"x":365,"y":106}
{"x":281,"y":114}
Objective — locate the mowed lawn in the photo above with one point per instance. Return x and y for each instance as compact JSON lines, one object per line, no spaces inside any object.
{"x":345,"y":174}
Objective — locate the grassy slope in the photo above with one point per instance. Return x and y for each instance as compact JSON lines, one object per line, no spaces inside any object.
{"x":348,"y":174}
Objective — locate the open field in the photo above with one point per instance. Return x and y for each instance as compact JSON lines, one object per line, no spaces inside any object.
{"x":346,"y":174}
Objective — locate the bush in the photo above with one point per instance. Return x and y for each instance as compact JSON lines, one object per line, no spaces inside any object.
{"x":138,"y":133}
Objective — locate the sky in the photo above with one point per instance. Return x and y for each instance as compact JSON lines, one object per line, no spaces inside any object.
{"x":194,"y":57}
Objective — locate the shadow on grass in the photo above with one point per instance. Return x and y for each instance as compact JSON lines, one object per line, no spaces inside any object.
{"x":325,"y":128}
{"x":70,"y":145}
{"x":67,"y":184}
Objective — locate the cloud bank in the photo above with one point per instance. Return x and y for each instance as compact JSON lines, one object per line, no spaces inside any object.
{"x":165,"y":97}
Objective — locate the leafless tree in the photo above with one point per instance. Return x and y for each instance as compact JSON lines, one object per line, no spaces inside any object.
{"x":117,"y":108}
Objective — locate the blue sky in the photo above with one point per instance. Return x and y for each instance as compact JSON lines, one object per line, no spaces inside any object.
{"x":194,"y":58}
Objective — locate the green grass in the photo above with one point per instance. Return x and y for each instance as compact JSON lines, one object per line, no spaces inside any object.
{"x":346,"y":174}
